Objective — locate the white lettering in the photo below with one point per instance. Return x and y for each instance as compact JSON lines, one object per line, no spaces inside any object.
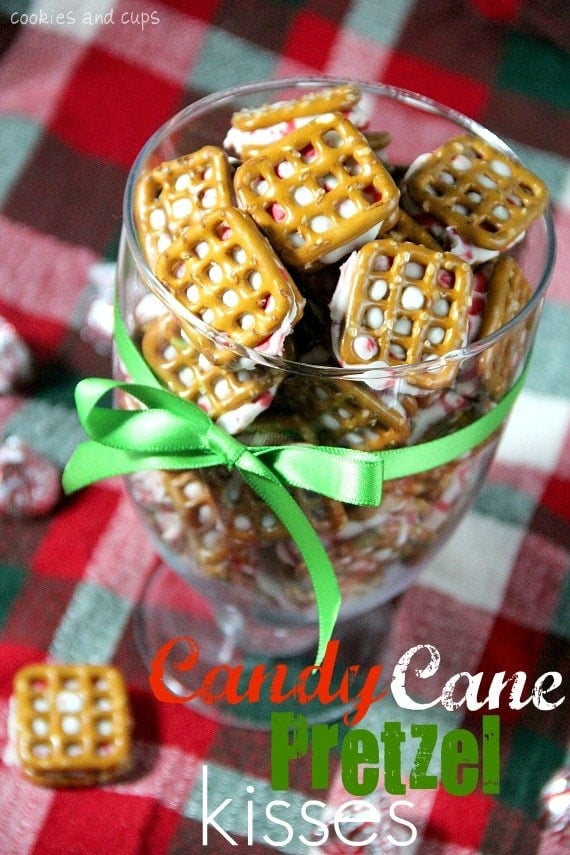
{"x":322,"y":826}
{"x":278,"y":821}
{"x":209,"y":819}
{"x":399,"y":676}
{"x":401,"y":821}
{"x":366,"y":813}
{"x":538,"y":692}
{"x":451,"y":698}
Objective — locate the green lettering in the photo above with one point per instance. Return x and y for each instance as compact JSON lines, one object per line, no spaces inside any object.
{"x":289,"y":741}
{"x":459,"y":762}
{"x":491,"y":756}
{"x":324,"y":737}
{"x":419,"y":779}
{"x":360,"y":747}
{"x":392,"y":736}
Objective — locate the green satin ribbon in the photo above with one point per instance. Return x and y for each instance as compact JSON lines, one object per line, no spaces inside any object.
{"x":173,"y":434}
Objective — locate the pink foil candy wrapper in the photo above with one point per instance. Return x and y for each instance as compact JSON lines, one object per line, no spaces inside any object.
{"x":15,"y":358}
{"x":30,"y":485}
{"x":555,"y":802}
{"x":98,"y":323}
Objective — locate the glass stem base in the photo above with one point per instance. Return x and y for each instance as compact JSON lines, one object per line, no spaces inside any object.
{"x":223,"y":661}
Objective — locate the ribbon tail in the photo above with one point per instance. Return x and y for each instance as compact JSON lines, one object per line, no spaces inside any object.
{"x":325,"y":584}
{"x":91,"y":462}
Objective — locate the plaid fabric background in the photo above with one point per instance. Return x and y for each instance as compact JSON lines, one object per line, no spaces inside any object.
{"x":79,"y":95}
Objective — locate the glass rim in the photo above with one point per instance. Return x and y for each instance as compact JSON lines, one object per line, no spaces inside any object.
{"x":370,"y":372}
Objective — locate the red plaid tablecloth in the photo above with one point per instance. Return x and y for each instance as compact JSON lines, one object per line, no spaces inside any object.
{"x":81,"y":89}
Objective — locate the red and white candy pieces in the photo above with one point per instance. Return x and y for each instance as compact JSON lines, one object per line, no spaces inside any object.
{"x":30,"y":484}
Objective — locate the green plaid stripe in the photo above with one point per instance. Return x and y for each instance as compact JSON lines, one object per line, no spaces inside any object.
{"x":537,"y":69}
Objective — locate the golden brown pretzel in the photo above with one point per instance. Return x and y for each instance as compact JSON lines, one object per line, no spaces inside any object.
{"x":317,"y":190}
{"x":177,"y":193}
{"x":188,"y":372}
{"x":225,"y":272}
{"x":407,"y":229}
{"x":346,"y":413}
{"x":71,"y":724}
{"x":329,"y":100}
{"x":486,"y":196}
{"x":402,"y":304}
{"x":508,"y":292}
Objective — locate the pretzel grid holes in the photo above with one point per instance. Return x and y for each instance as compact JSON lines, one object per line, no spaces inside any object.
{"x":413,"y":319}
{"x":347,"y":183}
{"x":71,"y":720}
{"x":228,"y":277}
{"x":485,"y":191}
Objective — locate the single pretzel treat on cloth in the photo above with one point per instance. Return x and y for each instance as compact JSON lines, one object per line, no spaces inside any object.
{"x":487,"y":198}
{"x":318,"y":193}
{"x":70,"y":725}
{"x":176,"y":194}
{"x":254,"y":128}
{"x":508,"y":292}
{"x":233,"y":395}
{"x":401,"y":304}
{"x":226,"y":273}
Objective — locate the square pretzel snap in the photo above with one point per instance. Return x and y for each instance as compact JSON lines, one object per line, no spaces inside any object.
{"x":486,"y":196}
{"x":226,"y":273}
{"x":70,"y":724}
{"x":317,"y":191}
{"x":176,"y":194}
{"x":233,"y":395}
{"x":401,"y":304}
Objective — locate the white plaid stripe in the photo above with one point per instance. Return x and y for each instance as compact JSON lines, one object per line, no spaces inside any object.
{"x":39,"y":273}
{"x":91,"y":627}
{"x":123,"y":557}
{"x":536,"y":582}
{"x":24,"y":809}
{"x":225,"y":783}
{"x":425,"y":618}
{"x":381,"y":23}
{"x":472,"y":566}
{"x":163,"y":773}
{"x":34,"y":91}
{"x":354,"y":55}
{"x":536,"y":431}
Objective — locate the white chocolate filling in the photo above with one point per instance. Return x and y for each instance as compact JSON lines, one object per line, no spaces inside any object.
{"x":237,"y":420}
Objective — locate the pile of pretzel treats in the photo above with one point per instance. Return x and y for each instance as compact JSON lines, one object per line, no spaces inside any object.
{"x":296,"y":237}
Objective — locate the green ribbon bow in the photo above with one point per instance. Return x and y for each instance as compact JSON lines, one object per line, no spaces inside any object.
{"x":173,"y":434}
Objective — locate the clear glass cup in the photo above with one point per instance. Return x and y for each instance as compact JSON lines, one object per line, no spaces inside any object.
{"x":233,"y":579}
